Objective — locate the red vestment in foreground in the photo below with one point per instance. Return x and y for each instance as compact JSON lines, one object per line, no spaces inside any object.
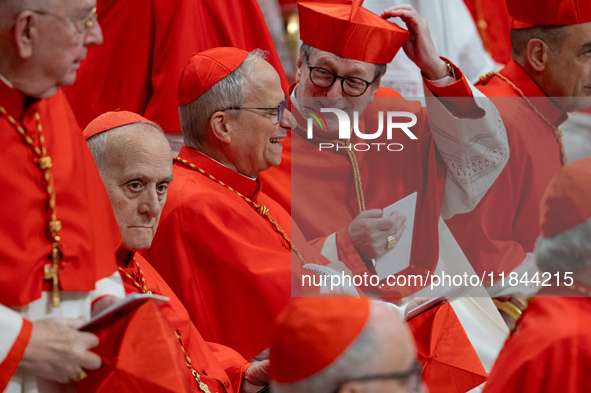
{"x":88,"y":243}
{"x":219,"y":367}
{"x":551,"y":351}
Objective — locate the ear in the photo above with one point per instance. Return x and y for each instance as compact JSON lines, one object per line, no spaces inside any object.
{"x":298,"y":75}
{"x":220,"y":128}
{"x":536,"y":54}
{"x":25,"y":33}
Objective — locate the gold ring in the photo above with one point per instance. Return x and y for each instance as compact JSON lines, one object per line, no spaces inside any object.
{"x":392,"y":242}
{"x":81,"y":376}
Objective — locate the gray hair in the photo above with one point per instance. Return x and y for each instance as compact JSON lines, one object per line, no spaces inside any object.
{"x":9,"y":9}
{"x":359,"y":359}
{"x":551,"y":35}
{"x":98,"y":145}
{"x":569,"y":251}
{"x":227,"y":93}
{"x":307,"y":51}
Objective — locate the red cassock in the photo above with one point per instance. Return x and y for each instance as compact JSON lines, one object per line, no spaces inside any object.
{"x":219,"y":367}
{"x":88,"y":243}
{"x":229,"y":266}
{"x":504,"y":226}
{"x":146,"y":46}
{"x":319,"y":187}
{"x":551,"y":350}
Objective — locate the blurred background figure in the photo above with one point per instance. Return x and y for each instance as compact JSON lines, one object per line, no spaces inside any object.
{"x":147,"y":45}
{"x":554,"y":329}
{"x":327,"y":345}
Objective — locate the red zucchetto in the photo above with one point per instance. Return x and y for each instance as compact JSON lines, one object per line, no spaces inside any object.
{"x":346,"y":29}
{"x":528,"y":13}
{"x":311,"y":333}
{"x":109,"y":120}
{"x":207,"y":68}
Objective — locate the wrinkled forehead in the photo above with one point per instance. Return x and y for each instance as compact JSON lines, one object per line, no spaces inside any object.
{"x":134,"y":137}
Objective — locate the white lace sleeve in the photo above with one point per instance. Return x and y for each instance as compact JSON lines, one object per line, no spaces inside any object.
{"x":475,"y":151}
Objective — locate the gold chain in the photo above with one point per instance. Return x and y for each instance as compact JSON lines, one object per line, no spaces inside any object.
{"x":262,"y":210}
{"x":580,"y":289}
{"x":557,"y":131}
{"x":196,"y":375}
{"x":354,"y":167}
{"x":43,"y":161}
{"x":141,"y":287}
{"x":356,"y":173}
{"x":177,"y":332}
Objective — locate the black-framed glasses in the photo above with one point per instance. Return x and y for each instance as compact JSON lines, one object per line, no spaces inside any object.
{"x":413,"y":376}
{"x":323,"y":78}
{"x":82,"y":25}
{"x":279,"y":111}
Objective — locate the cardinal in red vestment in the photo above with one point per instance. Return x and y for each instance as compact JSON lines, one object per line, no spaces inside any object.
{"x":135,"y":164}
{"x":57,"y":230}
{"x":545,"y":79}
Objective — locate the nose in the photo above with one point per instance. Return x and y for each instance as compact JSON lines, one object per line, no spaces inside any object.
{"x":286,"y":121}
{"x":94,"y":35}
{"x":150,"y":205}
{"x":336,"y":90}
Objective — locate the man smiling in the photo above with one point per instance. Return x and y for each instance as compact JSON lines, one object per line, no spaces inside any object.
{"x":235,"y":250}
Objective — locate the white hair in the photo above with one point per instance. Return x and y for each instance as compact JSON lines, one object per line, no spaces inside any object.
{"x":9,"y":9}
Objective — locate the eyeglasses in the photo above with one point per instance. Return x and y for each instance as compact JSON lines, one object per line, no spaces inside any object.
{"x":279,"y":111}
{"x":323,"y":78}
{"x":82,"y":25}
{"x":413,"y":376}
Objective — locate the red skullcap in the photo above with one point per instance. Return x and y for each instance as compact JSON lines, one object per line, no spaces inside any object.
{"x":567,"y":200}
{"x":528,"y":13}
{"x":346,"y":29}
{"x":311,"y":333}
{"x":207,"y":68}
{"x":109,"y":120}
